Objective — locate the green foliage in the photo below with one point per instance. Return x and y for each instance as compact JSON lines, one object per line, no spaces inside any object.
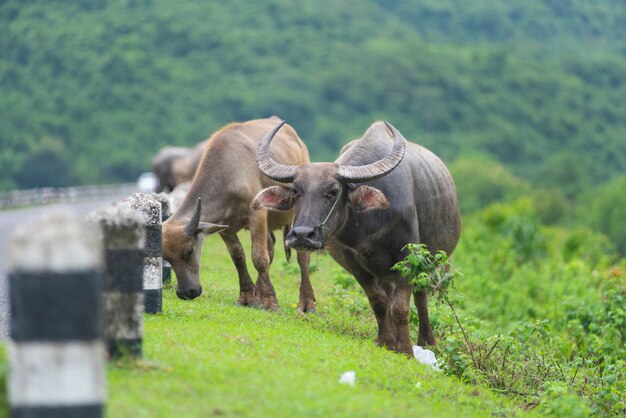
{"x":47,"y":165}
{"x":582,"y":243}
{"x":604,"y":210}
{"x":557,"y":339}
{"x":565,"y":23}
{"x":548,"y":325}
{"x":559,"y":402}
{"x":519,"y":226}
{"x":535,"y":85}
{"x":347,"y":295}
{"x":481,"y":181}
{"x":551,"y":206}
{"x":426,"y":271}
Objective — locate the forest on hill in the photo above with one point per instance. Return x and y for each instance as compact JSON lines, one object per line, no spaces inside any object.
{"x":517,"y":97}
{"x":92,"y":89}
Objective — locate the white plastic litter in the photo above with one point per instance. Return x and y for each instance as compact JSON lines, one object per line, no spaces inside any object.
{"x":425,"y":357}
{"x":348,"y":378}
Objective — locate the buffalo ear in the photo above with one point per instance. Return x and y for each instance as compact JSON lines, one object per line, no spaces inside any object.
{"x":365,"y":198}
{"x":275,"y":197}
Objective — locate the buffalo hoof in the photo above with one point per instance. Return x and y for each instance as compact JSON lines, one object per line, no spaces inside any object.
{"x":379,"y":342}
{"x":248,"y":300}
{"x":424,"y":341}
{"x":406,"y":350}
{"x":270,"y":304}
{"x":254,"y":304}
{"x":271,"y":307}
{"x":307,"y":309}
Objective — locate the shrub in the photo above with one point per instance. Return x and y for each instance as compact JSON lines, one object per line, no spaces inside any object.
{"x":565,"y":356}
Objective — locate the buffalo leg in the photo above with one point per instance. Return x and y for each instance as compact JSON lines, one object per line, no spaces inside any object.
{"x":307,"y":298}
{"x":271,"y":240}
{"x":261,"y":259}
{"x":400,"y":312}
{"x":425,"y":336}
{"x":247,"y":295}
{"x":379,"y":301}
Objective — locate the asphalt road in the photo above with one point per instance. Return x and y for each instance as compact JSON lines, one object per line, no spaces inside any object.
{"x":9,"y":219}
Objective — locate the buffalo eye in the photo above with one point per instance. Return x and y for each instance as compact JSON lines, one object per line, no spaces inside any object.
{"x":332,"y":193}
{"x":293,"y":191}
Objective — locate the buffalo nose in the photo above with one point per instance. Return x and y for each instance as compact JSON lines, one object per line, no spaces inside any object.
{"x":188,"y":294}
{"x":303,"y":232}
{"x":305,"y":238}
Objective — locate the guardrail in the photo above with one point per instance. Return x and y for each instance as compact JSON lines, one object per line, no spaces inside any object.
{"x":46,"y":195}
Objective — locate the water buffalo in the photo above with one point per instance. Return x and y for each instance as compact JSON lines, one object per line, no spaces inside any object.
{"x":219,"y":201}
{"x":409,"y":196}
{"x":162,"y":166}
{"x":185,"y":168}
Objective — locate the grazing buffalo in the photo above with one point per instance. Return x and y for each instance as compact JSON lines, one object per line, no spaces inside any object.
{"x":409,"y":196}
{"x":162,"y":167}
{"x":219,"y":201}
{"x":176,"y":165}
{"x":185,"y":168}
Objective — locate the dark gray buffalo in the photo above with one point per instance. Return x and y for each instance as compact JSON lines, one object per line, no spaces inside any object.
{"x":219,"y":201}
{"x":175,"y":165}
{"x":162,"y":166}
{"x":185,"y":168}
{"x":409,"y":197}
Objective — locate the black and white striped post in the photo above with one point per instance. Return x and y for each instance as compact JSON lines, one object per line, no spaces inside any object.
{"x":164,"y":200}
{"x":150,"y":209}
{"x":123,"y":234}
{"x":56,"y":349}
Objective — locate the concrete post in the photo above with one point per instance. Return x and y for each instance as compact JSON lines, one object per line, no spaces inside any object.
{"x":150,"y":210}
{"x":56,"y":349}
{"x":164,"y":200}
{"x":123,"y":234}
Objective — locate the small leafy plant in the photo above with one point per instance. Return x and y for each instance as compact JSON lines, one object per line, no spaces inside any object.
{"x":427,"y":271}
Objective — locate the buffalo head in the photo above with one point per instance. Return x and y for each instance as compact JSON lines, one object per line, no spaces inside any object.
{"x":182,"y":244}
{"x":322,"y":192}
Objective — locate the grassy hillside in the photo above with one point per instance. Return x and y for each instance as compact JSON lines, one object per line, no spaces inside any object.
{"x":209,"y":357}
{"x":91,"y":89}
{"x":544,"y":333}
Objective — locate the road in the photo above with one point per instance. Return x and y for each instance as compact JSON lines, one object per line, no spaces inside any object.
{"x":9,"y":219}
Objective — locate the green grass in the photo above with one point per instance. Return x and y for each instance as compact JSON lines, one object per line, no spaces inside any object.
{"x":542,"y":307}
{"x":209,"y":357}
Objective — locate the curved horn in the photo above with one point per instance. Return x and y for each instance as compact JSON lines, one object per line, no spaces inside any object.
{"x":269,"y":167}
{"x":380,"y":168}
{"x":192,"y":225}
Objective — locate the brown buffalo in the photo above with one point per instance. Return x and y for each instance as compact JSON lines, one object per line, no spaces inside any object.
{"x":380,"y":194}
{"x":219,"y":201}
